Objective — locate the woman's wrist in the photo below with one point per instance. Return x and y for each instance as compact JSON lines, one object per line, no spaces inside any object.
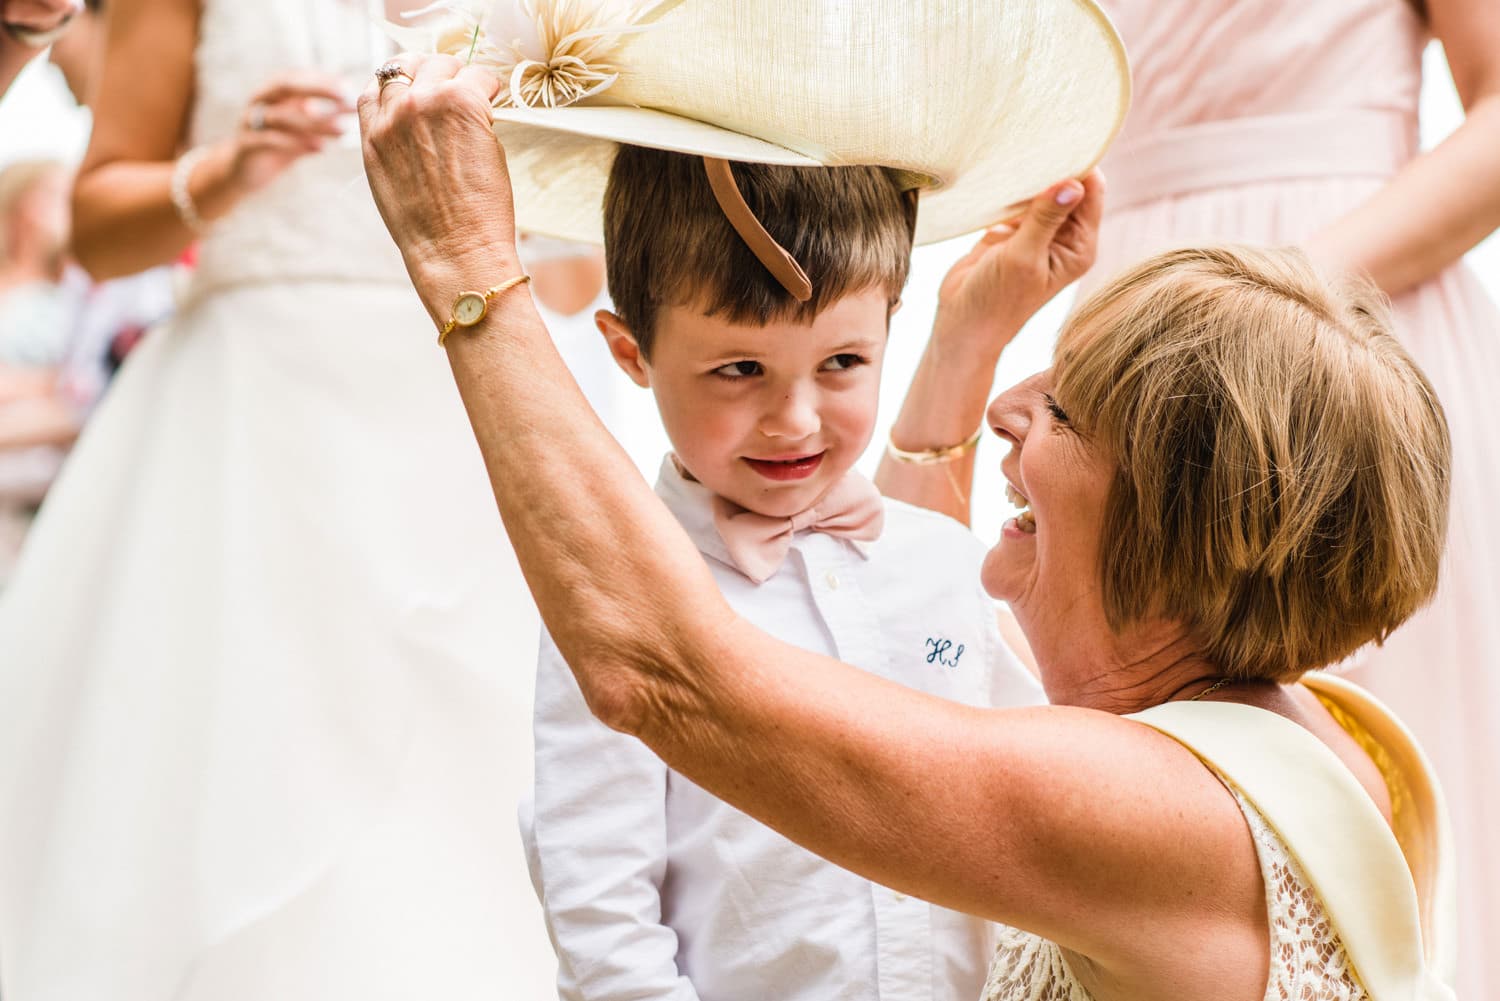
{"x":943,"y":406}
{"x":950,"y":388}
{"x":210,"y":185}
{"x":969,"y":340}
{"x":442,"y":273}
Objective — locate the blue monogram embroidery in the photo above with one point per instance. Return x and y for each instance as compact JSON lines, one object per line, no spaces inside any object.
{"x":937,"y":652}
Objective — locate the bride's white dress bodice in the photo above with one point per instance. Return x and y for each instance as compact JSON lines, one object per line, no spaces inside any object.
{"x":317,"y":222}
{"x":1307,"y":958}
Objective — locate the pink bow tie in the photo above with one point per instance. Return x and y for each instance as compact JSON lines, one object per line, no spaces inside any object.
{"x":758,"y":544}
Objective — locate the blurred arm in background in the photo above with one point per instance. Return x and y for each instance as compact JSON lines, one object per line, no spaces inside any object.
{"x":1445,"y":201}
{"x":124,"y":219}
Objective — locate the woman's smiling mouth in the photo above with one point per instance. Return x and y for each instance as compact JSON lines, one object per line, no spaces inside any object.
{"x":1025,"y":521}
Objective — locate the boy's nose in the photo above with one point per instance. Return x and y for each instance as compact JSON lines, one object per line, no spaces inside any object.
{"x":792,"y":415}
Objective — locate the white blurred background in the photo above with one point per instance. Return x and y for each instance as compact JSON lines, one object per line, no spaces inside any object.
{"x":38,"y":118}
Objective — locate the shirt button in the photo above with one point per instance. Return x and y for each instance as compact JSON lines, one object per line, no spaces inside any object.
{"x":899,"y":897}
{"x":832,"y":579}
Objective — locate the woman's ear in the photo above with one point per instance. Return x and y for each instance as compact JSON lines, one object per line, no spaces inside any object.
{"x":623,"y":347}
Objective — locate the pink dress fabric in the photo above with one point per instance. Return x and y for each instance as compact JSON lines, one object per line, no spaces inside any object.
{"x":1263,"y":121}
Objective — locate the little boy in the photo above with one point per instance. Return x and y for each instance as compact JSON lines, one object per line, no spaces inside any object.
{"x":652,"y":888}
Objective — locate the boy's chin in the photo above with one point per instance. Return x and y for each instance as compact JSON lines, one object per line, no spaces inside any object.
{"x":782,"y":500}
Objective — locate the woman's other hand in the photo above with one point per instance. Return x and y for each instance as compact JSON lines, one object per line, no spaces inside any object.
{"x":1014,"y":269}
{"x":432,"y":134}
{"x":984,"y":301}
{"x":292,"y":115}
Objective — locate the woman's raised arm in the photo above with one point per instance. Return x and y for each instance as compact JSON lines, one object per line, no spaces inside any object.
{"x":985,"y":300}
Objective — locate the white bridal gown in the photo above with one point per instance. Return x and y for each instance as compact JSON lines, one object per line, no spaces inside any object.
{"x":266,"y":666}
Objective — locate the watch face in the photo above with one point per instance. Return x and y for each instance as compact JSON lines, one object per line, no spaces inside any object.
{"x":469,"y":309}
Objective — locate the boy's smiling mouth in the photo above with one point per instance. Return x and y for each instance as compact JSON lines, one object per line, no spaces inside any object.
{"x":791,"y":467}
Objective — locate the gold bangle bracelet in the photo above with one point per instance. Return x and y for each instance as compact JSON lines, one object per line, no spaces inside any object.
{"x":933,"y":456}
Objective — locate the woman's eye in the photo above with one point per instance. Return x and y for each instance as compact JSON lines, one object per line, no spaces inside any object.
{"x":1057,"y":412}
{"x":840,"y":363}
{"x":738,"y":370}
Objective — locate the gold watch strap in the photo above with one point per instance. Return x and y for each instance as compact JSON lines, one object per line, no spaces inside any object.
{"x":488,"y":294}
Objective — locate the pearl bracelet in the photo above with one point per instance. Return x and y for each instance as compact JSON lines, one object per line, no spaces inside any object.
{"x":182,"y":198}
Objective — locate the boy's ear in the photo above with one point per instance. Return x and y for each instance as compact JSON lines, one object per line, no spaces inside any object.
{"x":895,"y":308}
{"x":623,"y":347}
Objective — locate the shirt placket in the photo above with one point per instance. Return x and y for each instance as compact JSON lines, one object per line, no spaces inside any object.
{"x":903,"y":926}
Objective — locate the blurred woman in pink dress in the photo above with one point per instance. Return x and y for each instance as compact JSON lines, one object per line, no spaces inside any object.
{"x":1280,"y":122}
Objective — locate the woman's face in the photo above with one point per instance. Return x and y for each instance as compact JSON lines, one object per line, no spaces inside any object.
{"x":1046,"y":563}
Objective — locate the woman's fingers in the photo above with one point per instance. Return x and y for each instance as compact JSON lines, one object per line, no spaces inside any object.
{"x":1077,"y":242}
{"x":1090,"y":210}
{"x":295,"y":116}
{"x":378,"y":96}
{"x":433,"y":71}
{"x":303,"y":84}
{"x":480,"y":80}
{"x":292,"y":144}
{"x":1045,"y":216}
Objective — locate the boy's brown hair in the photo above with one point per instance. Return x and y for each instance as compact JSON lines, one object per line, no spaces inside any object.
{"x":667,"y":242}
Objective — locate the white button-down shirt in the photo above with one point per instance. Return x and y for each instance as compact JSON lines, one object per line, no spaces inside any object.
{"x":654,"y":889}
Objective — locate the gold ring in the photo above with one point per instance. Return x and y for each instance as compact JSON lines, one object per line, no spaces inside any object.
{"x":390,"y":73}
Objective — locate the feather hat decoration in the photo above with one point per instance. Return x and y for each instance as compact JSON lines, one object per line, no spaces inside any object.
{"x":547,"y":53}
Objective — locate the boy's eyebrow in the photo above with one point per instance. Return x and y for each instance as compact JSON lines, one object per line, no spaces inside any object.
{"x":861,"y":341}
{"x":735,"y":352}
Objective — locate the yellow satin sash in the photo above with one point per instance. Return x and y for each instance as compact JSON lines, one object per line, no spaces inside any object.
{"x":1391,"y":896}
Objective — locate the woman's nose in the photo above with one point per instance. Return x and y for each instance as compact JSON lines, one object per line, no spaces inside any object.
{"x":1007,"y":417}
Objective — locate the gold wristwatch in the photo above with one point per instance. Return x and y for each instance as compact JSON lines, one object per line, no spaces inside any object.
{"x":470,"y":307}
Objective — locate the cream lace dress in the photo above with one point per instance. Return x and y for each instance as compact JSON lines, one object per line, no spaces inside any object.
{"x":1307,"y":958}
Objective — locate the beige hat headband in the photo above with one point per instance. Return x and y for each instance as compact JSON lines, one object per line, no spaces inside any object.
{"x":783,"y":267}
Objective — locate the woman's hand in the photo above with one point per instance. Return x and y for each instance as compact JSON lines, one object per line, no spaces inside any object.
{"x":292,"y":115}
{"x":433,"y":135}
{"x":1015,"y":269}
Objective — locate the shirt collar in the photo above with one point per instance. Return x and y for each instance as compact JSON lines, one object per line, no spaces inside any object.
{"x":691,"y":503}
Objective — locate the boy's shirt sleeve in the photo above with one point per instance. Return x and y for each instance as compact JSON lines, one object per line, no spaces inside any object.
{"x":599,"y":849}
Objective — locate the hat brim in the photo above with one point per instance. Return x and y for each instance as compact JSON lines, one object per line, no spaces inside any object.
{"x":560,"y":159}
{"x":1034,"y":93}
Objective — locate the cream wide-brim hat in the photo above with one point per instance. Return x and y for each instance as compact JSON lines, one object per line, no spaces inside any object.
{"x":983,"y":102}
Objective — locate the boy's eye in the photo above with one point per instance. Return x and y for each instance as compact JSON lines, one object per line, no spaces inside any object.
{"x":1057,"y":412}
{"x":739,"y":370}
{"x":839,"y":363}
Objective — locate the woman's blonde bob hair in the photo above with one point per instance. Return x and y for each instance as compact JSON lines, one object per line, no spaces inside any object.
{"x":1283,"y":473}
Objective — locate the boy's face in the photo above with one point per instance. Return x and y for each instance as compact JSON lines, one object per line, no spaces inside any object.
{"x":769,"y":417}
